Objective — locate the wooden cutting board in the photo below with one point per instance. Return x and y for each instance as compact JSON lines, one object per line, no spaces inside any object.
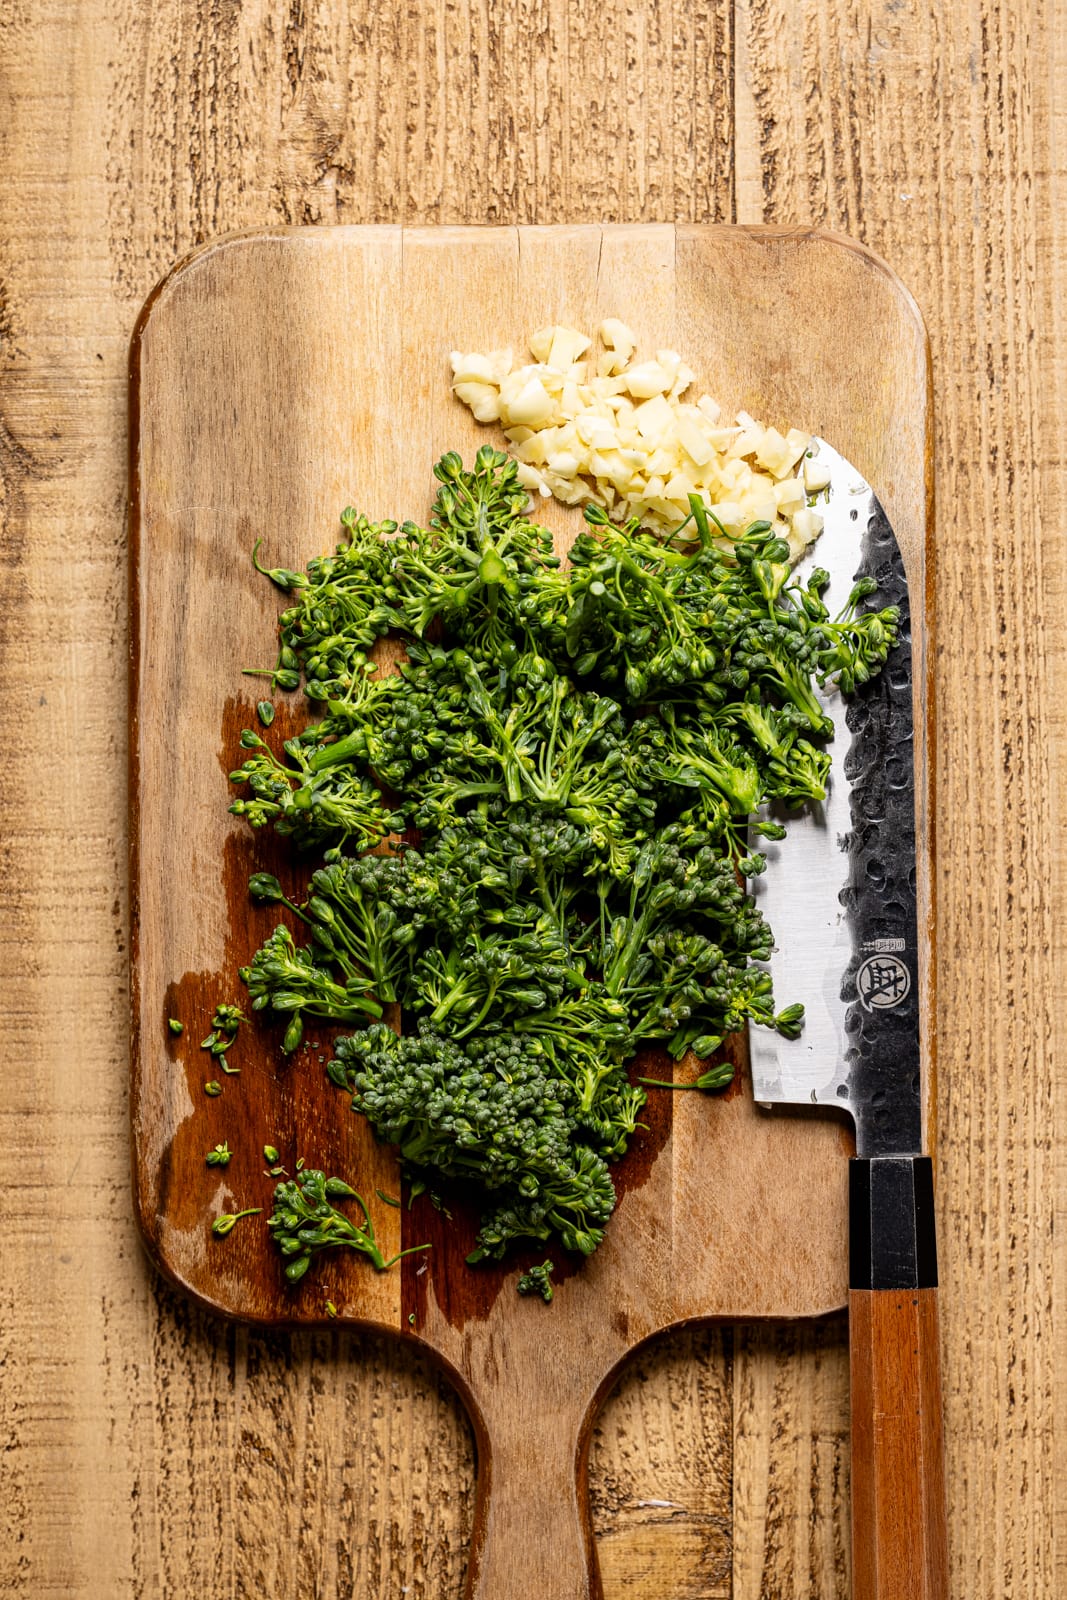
{"x":277,"y":377}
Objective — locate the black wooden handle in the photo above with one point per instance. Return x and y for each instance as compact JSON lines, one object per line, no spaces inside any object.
{"x":891,"y":1236}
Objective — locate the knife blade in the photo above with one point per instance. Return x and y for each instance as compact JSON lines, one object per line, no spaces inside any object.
{"x":839,"y":891}
{"x":840,"y":896}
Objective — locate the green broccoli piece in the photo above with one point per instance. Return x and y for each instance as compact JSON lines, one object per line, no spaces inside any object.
{"x":304,"y":1222}
{"x":492,"y":1109}
{"x":537,"y":1281}
{"x":287,"y":980}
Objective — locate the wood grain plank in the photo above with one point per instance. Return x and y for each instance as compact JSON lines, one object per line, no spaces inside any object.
{"x":661,"y":1490}
{"x":1050,"y":244}
{"x":791,"y":1482}
{"x":135,"y":134}
{"x":131,"y":133}
{"x":924,"y":141}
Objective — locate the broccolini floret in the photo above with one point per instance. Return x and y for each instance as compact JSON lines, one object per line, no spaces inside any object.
{"x":304,"y":1221}
{"x":538,"y":1281}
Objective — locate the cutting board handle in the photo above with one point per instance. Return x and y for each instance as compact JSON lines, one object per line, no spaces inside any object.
{"x":532,"y":1532}
{"x":899,"y":1535}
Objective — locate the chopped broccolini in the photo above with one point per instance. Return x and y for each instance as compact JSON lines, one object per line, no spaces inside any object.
{"x":578,"y":761}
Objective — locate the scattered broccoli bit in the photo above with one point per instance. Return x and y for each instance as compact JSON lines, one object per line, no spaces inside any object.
{"x":719,"y":1076}
{"x":275,"y":1163}
{"x":220,"y":1156}
{"x":282,"y":576}
{"x":175,"y":1026}
{"x":578,"y":761}
{"x":226,"y":1223}
{"x":224,"y":1026}
{"x":537,"y":1281}
{"x":213,"y":1088}
{"x":304,"y":1222}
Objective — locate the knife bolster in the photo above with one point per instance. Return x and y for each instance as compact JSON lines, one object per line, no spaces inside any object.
{"x":892,"y":1242}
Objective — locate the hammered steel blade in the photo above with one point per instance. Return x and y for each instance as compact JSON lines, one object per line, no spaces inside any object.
{"x":839,"y":891}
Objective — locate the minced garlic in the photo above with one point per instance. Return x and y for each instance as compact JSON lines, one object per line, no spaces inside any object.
{"x":605,"y":427}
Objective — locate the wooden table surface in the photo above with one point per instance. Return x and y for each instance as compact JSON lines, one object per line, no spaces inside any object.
{"x":148,"y":1451}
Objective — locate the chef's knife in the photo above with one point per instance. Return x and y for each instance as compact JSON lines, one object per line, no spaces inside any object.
{"x":842,"y":905}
